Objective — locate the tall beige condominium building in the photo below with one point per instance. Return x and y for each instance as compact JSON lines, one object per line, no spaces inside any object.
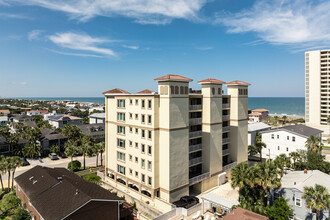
{"x":161,"y":146}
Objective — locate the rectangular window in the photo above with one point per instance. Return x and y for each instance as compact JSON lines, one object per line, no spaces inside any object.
{"x":142,"y":178}
{"x":136,"y":160}
{"x":298,"y":202}
{"x":120,"y":142}
{"x":136,"y":131}
{"x":142,"y":118}
{"x":130,"y":143}
{"x":278,"y":136}
{"x":130,"y":171}
{"x":142,"y":103}
{"x":120,"y":116}
{"x":142,"y":133}
{"x":121,"y":103}
{"x":143,"y":163}
{"x":136,"y":101}
{"x":130,"y":129}
{"x":149,"y":150}
{"x":287,"y":149}
{"x":142,"y":148}
{"x":130,"y":116}
{"x":149,"y":104}
{"x":136,"y":116}
{"x":278,"y":147}
{"x":149,"y":119}
{"x":121,"y":169}
{"x":149,"y":180}
{"x":131,"y":101}
{"x":288,"y":138}
{"x":130,"y":157}
{"x":120,"y":129}
{"x":272,"y":136}
{"x":136,"y":174}
{"x":136,"y":145}
{"x":149,"y":134}
{"x":293,"y":139}
{"x":120,"y":156}
{"x":149,"y":165}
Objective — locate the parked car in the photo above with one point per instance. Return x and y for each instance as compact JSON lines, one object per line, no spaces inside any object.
{"x":186,"y":202}
{"x":25,"y":163}
{"x":53,"y":156}
{"x":62,"y":155}
{"x":145,"y":193}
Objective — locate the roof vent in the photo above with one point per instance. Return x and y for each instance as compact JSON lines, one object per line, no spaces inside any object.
{"x":59,"y":178}
{"x":77,"y":192}
{"x":31,"y":178}
{"x":35,"y":181}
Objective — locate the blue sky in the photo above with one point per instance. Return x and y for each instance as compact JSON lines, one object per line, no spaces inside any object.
{"x":81,"y":48}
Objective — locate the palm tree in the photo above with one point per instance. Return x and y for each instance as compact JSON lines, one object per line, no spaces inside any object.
{"x":13,"y":141}
{"x":96,"y":150}
{"x":282,"y":161}
{"x":32,"y":150}
{"x":102,"y":149}
{"x":86,"y":147}
{"x":2,"y":169}
{"x":294,"y":156}
{"x":8,"y":163}
{"x":317,"y":198}
{"x":252,"y":150}
{"x":72,"y":132}
{"x":275,"y":119}
{"x":259,"y":146}
{"x":16,"y":162}
{"x":314,"y":144}
{"x":70,"y":150}
{"x":240,"y":175}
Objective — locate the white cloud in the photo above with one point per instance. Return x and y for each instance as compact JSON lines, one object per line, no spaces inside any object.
{"x":143,"y":11}
{"x":15,"y":16}
{"x":81,"y":42}
{"x":131,"y":47}
{"x":19,"y":83}
{"x":34,"y":35}
{"x":293,"y":22}
{"x":75,"y":54}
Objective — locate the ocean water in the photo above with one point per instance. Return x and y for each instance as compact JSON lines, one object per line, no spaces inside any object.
{"x":294,"y":107}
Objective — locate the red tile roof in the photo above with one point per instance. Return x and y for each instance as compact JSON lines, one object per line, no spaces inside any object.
{"x":260,"y":110}
{"x":116,"y":91}
{"x":146,"y":91}
{"x":5,"y":111}
{"x":243,"y":214}
{"x":216,"y":81}
{"x":237,"y":82}
{"x":172,"y":77}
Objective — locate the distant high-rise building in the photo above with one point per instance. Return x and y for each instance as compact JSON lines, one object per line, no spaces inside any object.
{"x":317,"y":89}
{"x":161,"y":146}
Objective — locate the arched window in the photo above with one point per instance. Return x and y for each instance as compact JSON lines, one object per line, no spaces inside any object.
{"x":172,"y":90}
{"x":219,"y":91}
{"x":176,"y":89}
{"x":181,"y":90}
{"x":165,"y":90}
{"x":213,"y":91}
{"x":186,"y":90}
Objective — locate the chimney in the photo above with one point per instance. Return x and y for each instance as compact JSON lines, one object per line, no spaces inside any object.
{"x":305,"y":171}
{"x":77,"y":192}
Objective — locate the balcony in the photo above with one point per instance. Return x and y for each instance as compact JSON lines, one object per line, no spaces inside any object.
{"x":199,"y":178}
{"x":195,"y":107}
{"x":226,"y":105}
{"x":225,"y":117}
{"x":225,"y":129}
{"x":195,"y":147}
{"x":195,"y":121}
{"x":195,"y":161}
{"x":195,"y":134}
{"x":225,"y":140}
{"x":225,"y":152}
{"x":229,"y":166}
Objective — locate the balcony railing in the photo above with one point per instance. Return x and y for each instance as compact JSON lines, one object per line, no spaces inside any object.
{"x":225,"y":129}
{"x":195,"y":107}
{"x":229,"y":166}
{"x":195,"y":147}
{"x":195,"y":134}
{"x":225,"y":117}
{"x":225,"y":152}
{"x":195,"y":161}
{"x":195,"y":120}
{"x":225,"y":140}
{"x":226,"y":105}
{"x":199,"y":178}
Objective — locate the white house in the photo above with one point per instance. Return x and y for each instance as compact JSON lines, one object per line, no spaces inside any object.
{"x":36,"y":112}
{"x":59,"y":121}
{"x":254,"y":129}
{"x":97,"y":118}
{"x":98,"y":108}
{"x":287,"y":139}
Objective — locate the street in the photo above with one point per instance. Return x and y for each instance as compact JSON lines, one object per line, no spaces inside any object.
{"x":90,"y":161}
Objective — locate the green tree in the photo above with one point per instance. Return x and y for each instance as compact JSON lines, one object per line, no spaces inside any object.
{"x":21,"y":214}
{"x":259,"y":146}
{"x":9,"y":203}
{"x":294,"y":156}
{"x":74,"y":165}
{"x":87,"y":147}
{"x":2,"y":169}
{"x":317,"y":198}
{"x":13,"y":141}
{"x":314,"y":144}
{"x":16,"y":162}
{"x":280,"y":210}
{"x":72,"y":132}
{"x":93,"y":178}
{"x":252,"y":150}
{"x":32,"y":150}
{"x":71,"y":150}
{"x":282,"y":161}
{"x":54,"y":149}
{"x":85,"y":120}
{"x":101,"y":150}
{"x":61,"y":111}
{"x":240,"y":175}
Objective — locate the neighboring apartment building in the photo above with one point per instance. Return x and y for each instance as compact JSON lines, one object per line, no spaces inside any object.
{"x":57,"y":194}
{"x":97,"y":118}
{"x":254,"y":129}
{"x":287,"y":139}
{"x":59,"y":121}
{"x":292,"y":189}
{"x":317,"y":90}
{"x":258,"y":115}
{"x":161,"y":146}
{"x":96,"y":131}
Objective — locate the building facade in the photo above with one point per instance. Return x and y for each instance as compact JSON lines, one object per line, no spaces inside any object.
{"x":317,"y":90}
{"x":161,"y":146}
